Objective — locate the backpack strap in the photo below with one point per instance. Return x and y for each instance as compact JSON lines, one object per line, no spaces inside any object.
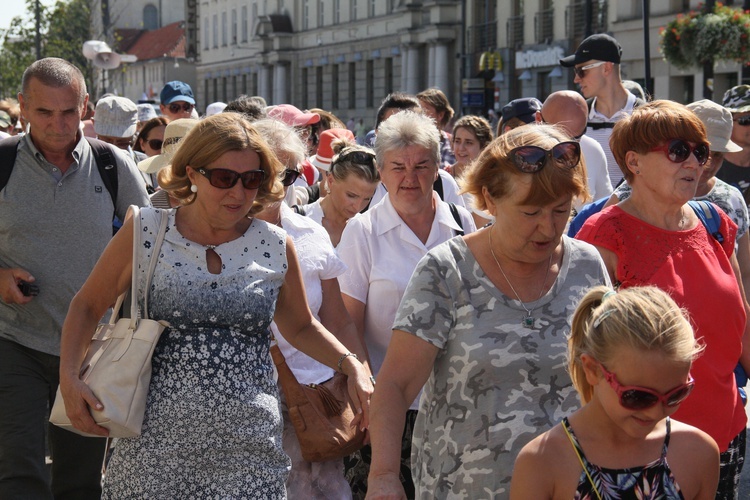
{"x":299,"y":209}
{"x":107,"y":166}
{"x":8,"y":151}
{"x":437,"y":186}
{"x":709,"y":217}
{"x":457,"y":218}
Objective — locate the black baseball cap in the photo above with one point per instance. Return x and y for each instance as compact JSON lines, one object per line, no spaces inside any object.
{"x":524,"y":109}
{"x":598,"y":47}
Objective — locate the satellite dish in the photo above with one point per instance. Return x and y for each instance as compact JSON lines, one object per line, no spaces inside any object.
{"x":102,"y":56}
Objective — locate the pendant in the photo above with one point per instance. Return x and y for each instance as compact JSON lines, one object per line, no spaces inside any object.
{"x":528,"y":322}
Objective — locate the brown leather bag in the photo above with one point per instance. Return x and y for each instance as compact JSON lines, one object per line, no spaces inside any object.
{"x":320,"y":413}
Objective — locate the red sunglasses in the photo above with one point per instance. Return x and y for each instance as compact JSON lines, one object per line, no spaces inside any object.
{"x":678,"y":151}
{"x":633,"y":397}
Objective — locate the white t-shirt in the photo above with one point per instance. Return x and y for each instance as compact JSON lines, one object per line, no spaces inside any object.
{"x":318,"y":261}
{"x":596,"y":169}
{"x":381,"y":252}
{"x":602,"y":135}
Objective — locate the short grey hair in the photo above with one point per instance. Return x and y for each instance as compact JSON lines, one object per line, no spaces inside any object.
{"x":404,"y":129}
{"x":283,"y":139}
{"x":56,"y":73}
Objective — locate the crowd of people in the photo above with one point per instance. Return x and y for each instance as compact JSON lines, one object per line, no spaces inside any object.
{"x":544,"y":302}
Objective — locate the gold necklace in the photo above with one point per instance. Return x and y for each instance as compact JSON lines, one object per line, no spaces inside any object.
{"x":528,"y":321}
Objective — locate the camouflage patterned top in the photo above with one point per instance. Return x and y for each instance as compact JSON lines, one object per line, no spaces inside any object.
{"x":495,"y":384}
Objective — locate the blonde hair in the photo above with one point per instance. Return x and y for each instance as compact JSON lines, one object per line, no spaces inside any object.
{"x":642,"y":318}
{"x":206,"y":142}
{"x":495,"y":169}
{"x":342,"y":165}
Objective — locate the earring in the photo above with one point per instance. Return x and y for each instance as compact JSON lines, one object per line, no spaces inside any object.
{"x":193,"y":188}
{"x":637,"y":172}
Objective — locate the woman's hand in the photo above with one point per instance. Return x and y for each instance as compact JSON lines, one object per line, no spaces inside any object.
{"x":386,"y":486}
{"x":78,"y":398}
{"x":361,"y":387}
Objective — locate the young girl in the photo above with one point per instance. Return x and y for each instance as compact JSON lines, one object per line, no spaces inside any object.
{"x":629,"y":356}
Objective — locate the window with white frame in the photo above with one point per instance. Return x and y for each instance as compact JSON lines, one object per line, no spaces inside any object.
{"x":204,"y":35}
{"x":321,"y":14}
{"x":244,"y":23}
{"x":150,"y":17}
{"x":371,"y":8}
{"x":234,"y":27}
{"x":305,"y":14}
{"x":216,"y":31}
{"x":353,"y":10}
{"x":336,"y":11}
{"x":224,"y":32}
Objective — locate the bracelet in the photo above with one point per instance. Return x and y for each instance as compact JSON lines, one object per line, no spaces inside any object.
{"x":342,"y":358}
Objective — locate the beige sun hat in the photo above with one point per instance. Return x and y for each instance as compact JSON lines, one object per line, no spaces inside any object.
{"x":173,"y":134}
{"x":718,"y":122}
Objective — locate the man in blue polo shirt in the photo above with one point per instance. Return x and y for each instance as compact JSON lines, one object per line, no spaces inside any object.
{"x":55,"y":220}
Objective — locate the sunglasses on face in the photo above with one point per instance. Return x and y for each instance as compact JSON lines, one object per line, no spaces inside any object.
{"x":223,"y":178}
{"x":743,"y":121}
{"x":580,"y":71}
{"x":531,"y":159}
{"x":176,"y":107}
{"x":289,"y":176}
{"x":155,"y":144}
{"x":633,"y":397}
{"x":678,"y":151}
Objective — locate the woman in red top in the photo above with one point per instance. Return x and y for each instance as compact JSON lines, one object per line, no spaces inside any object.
{"x":655,"y":238}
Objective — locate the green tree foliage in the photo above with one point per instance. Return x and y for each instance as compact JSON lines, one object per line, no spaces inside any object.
{"x":63,"y":28}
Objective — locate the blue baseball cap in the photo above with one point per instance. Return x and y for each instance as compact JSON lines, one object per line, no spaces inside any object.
{"x":176,"y":91}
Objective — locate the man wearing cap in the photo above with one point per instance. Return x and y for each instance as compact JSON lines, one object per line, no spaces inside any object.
{"x":596,"y":64}
{"x":568,"y":110}
{"x":56,"y":219}
{"x":6,"y":125}
{"x":518,"y":112}
{"x":177,"y":100}
{"x":736,"y":167}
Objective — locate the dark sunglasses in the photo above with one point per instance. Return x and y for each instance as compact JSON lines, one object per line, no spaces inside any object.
{"x":743,"y":121}
{"x":678,"y":151}
{"x":531,"y":159}
{"x":358,"y":157}
{"x":155,"y":143}
{"x":289,"y":176}
{"x":633,"y":397}
{"x":223,"y":178}
{"x":176,"y":107}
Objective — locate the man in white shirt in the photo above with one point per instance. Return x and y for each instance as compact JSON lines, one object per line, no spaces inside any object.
{"x":596,"y":63}
{"x":568,"y":110}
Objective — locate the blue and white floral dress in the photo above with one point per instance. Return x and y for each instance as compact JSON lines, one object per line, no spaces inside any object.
{"x":212,"y":427}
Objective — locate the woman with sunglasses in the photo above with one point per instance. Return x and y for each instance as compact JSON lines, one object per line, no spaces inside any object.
{"x":320,"y":267}
{"x":212,"y":427}
{"x":151,"y":136}
{"x":655,"y":238}
{"x":482,"y":326}
{"x":630,"y":357}
{"x":350,"y":183}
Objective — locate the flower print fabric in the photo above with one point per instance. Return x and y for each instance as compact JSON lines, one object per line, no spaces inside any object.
{"x":212,"y":427}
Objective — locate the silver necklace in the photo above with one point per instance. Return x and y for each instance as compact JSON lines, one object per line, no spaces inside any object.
{"x":528,"y":321}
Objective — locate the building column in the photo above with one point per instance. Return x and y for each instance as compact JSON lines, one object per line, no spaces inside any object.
{"x":404,"y":67}
{"x":441,"y":79}
{"x":431,"y":65}
{"x":280,"y":80}
{"x":412,"y":70}
{"x":264,"y":81}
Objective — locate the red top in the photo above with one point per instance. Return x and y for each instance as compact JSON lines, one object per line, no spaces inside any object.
{"x":695,"y":270}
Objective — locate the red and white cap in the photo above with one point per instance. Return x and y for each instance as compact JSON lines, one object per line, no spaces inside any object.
{"x":323,"y":158}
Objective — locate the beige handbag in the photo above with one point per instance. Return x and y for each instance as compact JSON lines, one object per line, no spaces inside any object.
{"x":117,"y":366}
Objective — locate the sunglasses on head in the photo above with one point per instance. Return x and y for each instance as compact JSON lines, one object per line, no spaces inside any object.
{"x":176,"y":107}
{"x":580,"y":71}
{"x":743,"y":121}
{"x":289,"y":176}
{"x":155,"y":143}
{"x":678,"y":151}
{"x":223,"y":178}
{"x":531,"y":159}
{"x":633,"y":397}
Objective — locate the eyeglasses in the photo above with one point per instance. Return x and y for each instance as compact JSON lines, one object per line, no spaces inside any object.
{"x":155,"y":144}
{"x":176,"y":107}
{"x":678,"y":151}
{"x":633,"y":397}
{"x":223,"y":178}
{"x":289,"y":176}
{"x":580,"y":71}
{"x":743,"y":121}
{"x":531,"y":159}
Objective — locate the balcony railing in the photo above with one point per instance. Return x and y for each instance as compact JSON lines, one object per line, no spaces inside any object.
{"x":544,"y":26}
{"x":481,"y":37}
{"x":575,"y":19}
{"x":515,"y":32}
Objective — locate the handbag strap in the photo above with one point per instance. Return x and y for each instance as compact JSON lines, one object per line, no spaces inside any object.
{"x":154,"y":259}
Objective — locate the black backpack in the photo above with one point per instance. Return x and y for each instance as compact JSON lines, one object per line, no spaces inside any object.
{"x":105,"y":162}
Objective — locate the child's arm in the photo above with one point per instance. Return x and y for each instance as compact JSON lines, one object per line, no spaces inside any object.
{"x":532,"y":475}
